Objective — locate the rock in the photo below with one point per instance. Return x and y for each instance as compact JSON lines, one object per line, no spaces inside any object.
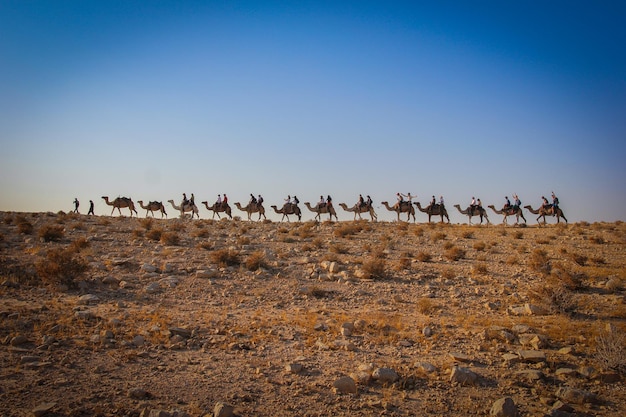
{"x":385,"y":375}
{"x":138,"y":393}
{"x":109,"y":280}
{"x":223,"y":410}
{"x":207,"y":273}
{"x":43,"y":409}
{"x":148,"y":268}
{"x":533,"y":310}
{"x":511,"y":358}
{"x":427,"y":331}
{"x":566,"y":372}
{"x":344,"y":385}
{"x":170,"y":282}
{"x":29,"y":359}
{"x":504,"y":407}
{"x":575,"y":396}
{"x":19,"y":340}
{"x":88,"y":299}
{"x":180,"y":331}
{"x":426,"y":367}
{"x":533,"y":356}
{"x":333,"y":268}
{"x":530,"y":375}
{"x":293,"y":368}
{"x":347,"y":329}
{"x":138,"y":341}
{"x":561,"y":406}
{"x":459,"y":357}
{"x":463,"y":376}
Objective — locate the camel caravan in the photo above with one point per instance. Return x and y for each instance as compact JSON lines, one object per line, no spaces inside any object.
{"x":403,"y":205}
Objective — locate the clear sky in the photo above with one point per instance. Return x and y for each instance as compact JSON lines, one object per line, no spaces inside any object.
{"x":155,"y":98}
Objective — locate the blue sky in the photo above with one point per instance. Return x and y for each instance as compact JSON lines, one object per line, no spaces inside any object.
{"x":153,"y":99}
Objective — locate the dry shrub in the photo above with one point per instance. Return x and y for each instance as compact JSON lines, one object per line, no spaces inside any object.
{"x":177,"y":226}
{"x":467,"y":234}
{"x":225,"y":257}
{"x":579,"y":258}
{"x":512,"y":260}
{"x":454,"y":253}
{"x":205,"y":245}
{"x":348,"y":229}
{"x":572,"y":281}
{"x":317,"y":243}
{"x":403,"y":263}
{"x":23,"y":225}
{"x":79,"y":244}
{"x":597,"y":239}
{"x":479,"y":268}
{"x":611,"y":350}
{"x":154,"y":234}
{"x":339,"y":248}
{"x":554,"y":295}
{"x":170,"y":239}
{"x":243,"y":240}
{"x":479,"y":246}
{"x":448,"y":245}
{"x":518,"y":235}
{"x":51,"y":233}
{"x":256,"y":260}
{"x":424,"y":256}
{"x":418,"y":231}
{"x":437,"y":236}
{"x":539,"y":262}
{"x":426,"y":306}
{"x":61,"y":267}
{"x":374,"y":268}
{"x":146,"y":223}
{"x":448,"y":273}
{"x":201,"y":232}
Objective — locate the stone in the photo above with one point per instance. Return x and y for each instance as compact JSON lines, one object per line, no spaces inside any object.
{"x":344,"y":385}
{"x":566,"y":372}
{"x":427,"y":331}
{"x":459,"y":357}
{"x":463,"y":376}
{"x":385,"y":375}
{"x":88,"y":299}
{"x":223,"y":410}
{"x":43,"y":409}
{"x":148,"y":268}
{"x":504,"y":407}
{"x":293,"y":368}
{"x":138,"y":393}
{"x":575,"y":396}
{"x":533,"y":356}
{"x":19,"y":340}
{"x":530,"y":375}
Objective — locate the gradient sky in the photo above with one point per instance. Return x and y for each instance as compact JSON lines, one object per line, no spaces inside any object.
{"x":152,"y":99}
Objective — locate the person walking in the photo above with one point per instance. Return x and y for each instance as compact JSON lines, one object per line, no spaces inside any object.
{"x":91,"y":208}
{"x":76,"y":204}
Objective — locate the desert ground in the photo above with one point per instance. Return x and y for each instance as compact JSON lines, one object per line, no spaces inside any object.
{"x":120,"y":316}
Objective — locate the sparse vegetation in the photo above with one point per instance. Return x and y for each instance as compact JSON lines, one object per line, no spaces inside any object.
{"x":225,"y":257}
{"x":61,"y":267}
{"x":51,"y":233}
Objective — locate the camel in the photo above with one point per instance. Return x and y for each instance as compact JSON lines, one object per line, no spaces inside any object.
{"x":511,"y":211}
{"x":358,"y":209}
{"x":326,"y":208}
{"x":121,"y":202}
{"x":405,"y":207}
{"x":152,"y":207}
{"x":218,"y":208}
{"x":478,"y":211}
{"x":287,"y":209}
{"x":547,"y":211}
{"x":253,"y":208}
{"x":184,"y":208}
{"x":434,"y":210}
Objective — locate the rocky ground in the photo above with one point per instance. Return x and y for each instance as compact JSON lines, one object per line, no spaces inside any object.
{"x":114,"y":316}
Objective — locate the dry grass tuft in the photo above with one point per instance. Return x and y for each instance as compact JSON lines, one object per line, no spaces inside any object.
{"x":426,"y":306}
{"x":256,"y":260}
{"x":424,"y":256}
{"x":437,"y":236}
{"x":374,"y":268}
{"x":61,"y":267}
{"x":170,"y":239}
{"x":480,"y":246}
{"x":225,"y":257}
{"x":611,"y":351}
{"x":539,"y":261}
{"x":348,"y":229}
{"x":51,"y":233}
{"x":23,"y":225}
{"x":454,"y":253}
{"x":154,"y":234}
